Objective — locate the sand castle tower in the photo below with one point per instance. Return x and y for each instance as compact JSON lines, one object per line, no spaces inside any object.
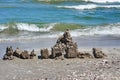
{"x":65,"y":45}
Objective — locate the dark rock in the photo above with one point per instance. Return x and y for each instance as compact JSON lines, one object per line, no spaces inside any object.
{"x":97,"y":52}
{"x":44,"y":53}
{"x":24,"y":55}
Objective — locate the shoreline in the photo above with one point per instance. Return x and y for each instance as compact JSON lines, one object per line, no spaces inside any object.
{"x":82,"y":42}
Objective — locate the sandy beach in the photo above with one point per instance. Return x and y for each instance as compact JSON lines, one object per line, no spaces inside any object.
{"x":107,"y":68}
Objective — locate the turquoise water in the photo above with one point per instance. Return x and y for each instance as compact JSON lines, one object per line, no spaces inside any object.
{"x":28,"y":19}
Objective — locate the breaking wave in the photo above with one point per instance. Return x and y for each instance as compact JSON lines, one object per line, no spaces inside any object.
{"x":76,"y":30}
{"x":45,"y":27}
{"x":27,"y":27}
{"x":59,"y":1}
{"x":104,"y":30}
{"x":111,"y":29}
{"x":3,"y":27}
{"x":102,"y":1}
{"x":34,"y":28}
{"x":89,"y":6}
{"x":95,"y":1}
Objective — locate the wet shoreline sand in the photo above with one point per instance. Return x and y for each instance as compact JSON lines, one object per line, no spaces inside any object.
{"x":82,"y":42}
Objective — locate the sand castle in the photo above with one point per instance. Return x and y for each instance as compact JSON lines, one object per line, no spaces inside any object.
{"x":65,"y":47}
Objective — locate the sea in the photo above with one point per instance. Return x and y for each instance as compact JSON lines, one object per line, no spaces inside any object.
{"x":35,"y":19}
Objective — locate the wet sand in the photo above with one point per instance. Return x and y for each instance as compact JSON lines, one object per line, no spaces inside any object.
{"x":82,"y":42}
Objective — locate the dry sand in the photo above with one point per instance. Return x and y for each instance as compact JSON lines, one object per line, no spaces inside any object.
{"x":67,"y":69}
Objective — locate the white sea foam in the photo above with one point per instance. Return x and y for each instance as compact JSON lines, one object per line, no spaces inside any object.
{"x":111,"y":6}
{"x":89,"y":6}
{"x":103,"y":1}
{"x":112,"y":29}
{"x":29,"y":27}
{"x":47,"y":27}
{"x":97,"y":1}
{"x":3,"y":27}
{"x":34,"y":28}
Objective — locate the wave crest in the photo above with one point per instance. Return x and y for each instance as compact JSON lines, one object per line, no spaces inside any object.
{"x":34,"y":28}
{"x":102,"y":1}
{"x":76,"y":30}
{"x":111,"y":29}
{"x":28,"y":27}
{"x":95,"y":1}
{"x":3,"y":27}
{"x":89,"y":6}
